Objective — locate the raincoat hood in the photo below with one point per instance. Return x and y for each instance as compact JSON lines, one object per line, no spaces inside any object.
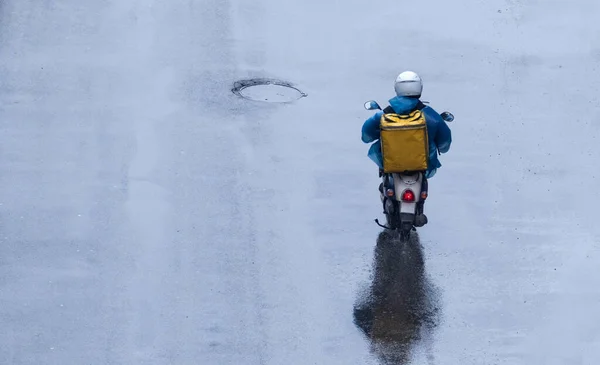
{"x":403,"y":104}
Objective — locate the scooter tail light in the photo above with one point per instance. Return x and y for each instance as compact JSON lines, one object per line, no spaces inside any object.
{"x":408,"y":196}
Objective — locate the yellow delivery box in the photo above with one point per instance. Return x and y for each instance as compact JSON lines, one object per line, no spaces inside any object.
{"x":404,"y":142}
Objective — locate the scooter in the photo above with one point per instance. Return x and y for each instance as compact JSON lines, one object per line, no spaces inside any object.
{"x":403,"y":194}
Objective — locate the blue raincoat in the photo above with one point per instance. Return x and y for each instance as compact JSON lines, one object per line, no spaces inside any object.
{"x":439,"y":134}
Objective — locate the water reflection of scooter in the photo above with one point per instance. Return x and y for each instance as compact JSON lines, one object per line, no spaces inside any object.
{"x":398,"y":308}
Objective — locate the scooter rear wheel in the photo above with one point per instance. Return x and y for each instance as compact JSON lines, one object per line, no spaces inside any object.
{"x":404,"y":235}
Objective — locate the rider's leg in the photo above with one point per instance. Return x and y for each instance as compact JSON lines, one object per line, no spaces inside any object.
{"x":421,"y":218}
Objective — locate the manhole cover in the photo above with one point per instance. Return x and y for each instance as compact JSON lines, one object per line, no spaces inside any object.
{"x":267,"y":90}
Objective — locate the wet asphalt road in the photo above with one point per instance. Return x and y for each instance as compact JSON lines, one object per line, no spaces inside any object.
{"x":148,"y":215}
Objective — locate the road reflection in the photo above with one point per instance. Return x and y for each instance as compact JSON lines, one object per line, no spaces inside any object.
{"x":400,"y":310}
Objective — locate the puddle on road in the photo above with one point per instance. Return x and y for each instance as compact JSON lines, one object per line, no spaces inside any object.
{"x":400,"y":310}
{"x":267,"y":90}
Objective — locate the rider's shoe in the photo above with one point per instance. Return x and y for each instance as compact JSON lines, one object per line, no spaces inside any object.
{"x":420,"y":220}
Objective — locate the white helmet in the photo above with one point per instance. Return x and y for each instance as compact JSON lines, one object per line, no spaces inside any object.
{"x":408,"y":83}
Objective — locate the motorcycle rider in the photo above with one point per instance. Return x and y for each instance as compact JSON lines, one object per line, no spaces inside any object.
{"x":409,"y":87}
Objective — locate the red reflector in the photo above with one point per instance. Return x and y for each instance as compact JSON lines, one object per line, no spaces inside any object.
{"x":408,"y":196}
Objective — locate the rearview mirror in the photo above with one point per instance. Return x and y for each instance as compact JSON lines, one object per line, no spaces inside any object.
{"x":372,"y":105}
{"x":447,"y":116}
